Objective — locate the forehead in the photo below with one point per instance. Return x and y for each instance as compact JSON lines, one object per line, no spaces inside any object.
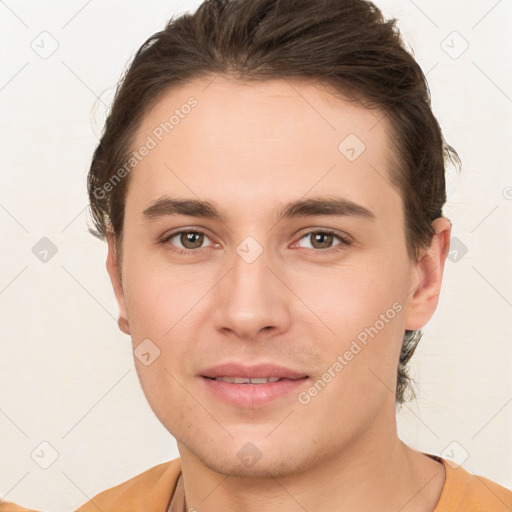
{"x":277,"y":139}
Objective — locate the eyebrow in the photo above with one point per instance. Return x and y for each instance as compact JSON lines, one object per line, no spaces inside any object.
{"x":316,"y":206}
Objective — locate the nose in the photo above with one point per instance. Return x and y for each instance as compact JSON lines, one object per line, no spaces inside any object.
{"x":251,"y":301}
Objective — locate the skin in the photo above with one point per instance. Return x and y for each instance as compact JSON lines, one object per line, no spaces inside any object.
{"x":249,"y":148}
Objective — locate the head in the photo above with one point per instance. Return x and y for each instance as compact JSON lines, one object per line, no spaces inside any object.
{"x":242,"y":120}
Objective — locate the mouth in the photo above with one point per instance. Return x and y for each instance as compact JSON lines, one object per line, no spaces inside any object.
{"x":245,"y":380}
{"x":252,"y":393}
{"x":245,"y":373}
{"x":251,"y":386}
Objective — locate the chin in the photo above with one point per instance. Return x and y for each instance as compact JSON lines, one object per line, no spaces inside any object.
{"x":254,"y":460}
{"x":260,"y":469}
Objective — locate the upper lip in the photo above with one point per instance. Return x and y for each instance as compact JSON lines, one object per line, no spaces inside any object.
{"x":252,"y":372}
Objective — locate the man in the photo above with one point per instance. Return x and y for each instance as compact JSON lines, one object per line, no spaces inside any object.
{"x":270,"y":183}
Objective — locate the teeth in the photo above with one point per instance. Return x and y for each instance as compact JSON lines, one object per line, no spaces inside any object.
{"x":243,"y":380}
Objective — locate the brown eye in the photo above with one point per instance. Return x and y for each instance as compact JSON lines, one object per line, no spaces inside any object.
{"x":191,"y":240}
{"x":186,"y":240}
{"x":322,"y":240}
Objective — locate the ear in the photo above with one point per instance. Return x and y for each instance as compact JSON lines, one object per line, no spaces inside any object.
{"x":115,"y":279}
{"x":426,"y":277}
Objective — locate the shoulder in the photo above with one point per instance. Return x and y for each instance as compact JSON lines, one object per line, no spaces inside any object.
{"x":7,"y":506}
{"x":467,"y":492}
{"x":150,"y":490}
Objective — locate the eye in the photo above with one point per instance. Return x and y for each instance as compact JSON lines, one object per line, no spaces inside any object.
{"x":192,"y":241}
{"x":186,"y":241}
{"x":323,"y":240}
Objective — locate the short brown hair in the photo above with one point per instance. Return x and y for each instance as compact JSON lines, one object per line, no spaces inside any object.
{"x":345,"y":44}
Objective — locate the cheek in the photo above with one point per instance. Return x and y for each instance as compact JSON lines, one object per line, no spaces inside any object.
{"x":157,"y":309}
{"x":361,"y":308}
{"x":348,"y":298}
{"x":160,"y":383}
{"x":154,"y":294}
{"x":164,"y":306}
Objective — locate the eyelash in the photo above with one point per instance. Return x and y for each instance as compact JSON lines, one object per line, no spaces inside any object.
{"x":344,"y":241}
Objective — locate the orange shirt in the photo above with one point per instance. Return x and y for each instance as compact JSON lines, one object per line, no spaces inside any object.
{"x":149,"y":492}
{"x":160,"y":489}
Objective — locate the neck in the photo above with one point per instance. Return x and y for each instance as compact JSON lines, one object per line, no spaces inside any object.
{"x":377,"y":472}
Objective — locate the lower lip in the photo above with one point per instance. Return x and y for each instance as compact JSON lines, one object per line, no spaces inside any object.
{"x":252,"y":395}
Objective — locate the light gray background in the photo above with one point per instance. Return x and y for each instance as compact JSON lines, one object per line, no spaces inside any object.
{"x":67,"y":376}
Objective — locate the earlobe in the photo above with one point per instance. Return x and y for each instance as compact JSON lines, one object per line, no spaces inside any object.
{"x":123,"y":324}
{"x":115,"y":279}
{"x":426,"y":277}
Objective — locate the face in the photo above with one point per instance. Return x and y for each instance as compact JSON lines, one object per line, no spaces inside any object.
{"x":263,"y":229}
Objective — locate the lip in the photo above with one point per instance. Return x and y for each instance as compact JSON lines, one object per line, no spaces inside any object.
{"x":252,"y":372}
{"x":252,"y":395}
